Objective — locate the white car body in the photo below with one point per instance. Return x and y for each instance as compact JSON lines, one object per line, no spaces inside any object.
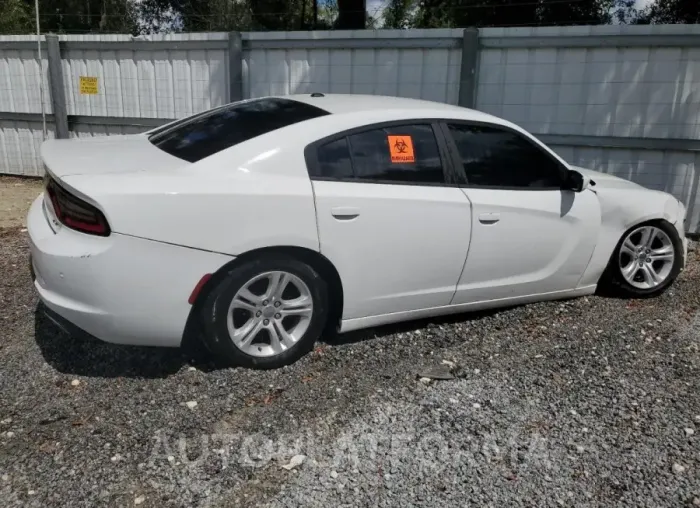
{"x":401,"y":251}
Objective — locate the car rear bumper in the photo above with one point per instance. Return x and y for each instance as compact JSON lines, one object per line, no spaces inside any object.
{"x":119,"y":288}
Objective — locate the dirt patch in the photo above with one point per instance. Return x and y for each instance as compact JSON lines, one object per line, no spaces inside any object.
{"x":16,"y":195}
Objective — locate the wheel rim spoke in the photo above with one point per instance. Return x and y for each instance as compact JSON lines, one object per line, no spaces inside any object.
{"x":280,"y":340}
{"x":275,"y":343}
{"x":240,"y":303}
{"x":277,"y":284}
{"x":246,"y":335}
{"x":650,"y":275}
{"x":301,"y":306}
{"x":628,"y":247}
{"x":245,"y":294}
{"x":630,"y":271}
{"x":662,"y":254}
{"x":287,"y":340}
{"x":647,"y":237}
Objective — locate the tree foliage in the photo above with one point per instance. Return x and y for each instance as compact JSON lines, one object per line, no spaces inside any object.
{"x":83,"y":16}
{"x":224,"y":15}
{"x":672,"y":11}
{"x":463,"y":13}
{"x":150,"y":16}
{"x":15,"y":17}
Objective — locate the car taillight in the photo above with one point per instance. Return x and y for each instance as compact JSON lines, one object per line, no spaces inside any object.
{"x":75,"y":213}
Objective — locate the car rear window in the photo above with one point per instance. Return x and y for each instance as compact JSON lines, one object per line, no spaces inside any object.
{"x":203,"y":135}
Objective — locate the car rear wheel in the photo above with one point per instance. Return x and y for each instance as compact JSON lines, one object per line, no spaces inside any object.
{"x":266,"y":313}
{"x":647,"y":260}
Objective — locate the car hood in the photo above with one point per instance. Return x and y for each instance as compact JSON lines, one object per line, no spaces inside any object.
{"x":606,"y":181}
{"x":105,"y":154}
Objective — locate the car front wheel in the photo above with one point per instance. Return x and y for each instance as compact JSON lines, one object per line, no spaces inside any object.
{"x":266,"y":313}
{"x":647,"y":260}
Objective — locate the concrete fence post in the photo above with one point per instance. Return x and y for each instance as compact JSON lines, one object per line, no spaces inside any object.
{"x":235,"y":66}
{"x":58,"y":92}
{"x":470,"y":65}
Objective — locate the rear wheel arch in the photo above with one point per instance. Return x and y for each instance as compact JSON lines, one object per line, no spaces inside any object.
{"x":316,"y":260}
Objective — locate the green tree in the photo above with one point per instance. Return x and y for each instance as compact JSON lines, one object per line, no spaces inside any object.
{"x":399,"y":14}
{"x":463,"y":13}
{"x":225,"y":15}
{"x":15,"y":17}
{"x":672,"y":11}
{"x":84,"y":16}
{"x":515,"y":12}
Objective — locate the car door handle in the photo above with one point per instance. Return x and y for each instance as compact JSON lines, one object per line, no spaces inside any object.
{"x":489,"y":218}
{"x":345,"y":212}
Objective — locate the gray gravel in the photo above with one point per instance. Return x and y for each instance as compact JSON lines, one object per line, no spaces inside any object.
{"x":589,"y":402}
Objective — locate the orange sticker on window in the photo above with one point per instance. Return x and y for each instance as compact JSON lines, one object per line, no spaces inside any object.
{"x":401,"y":149}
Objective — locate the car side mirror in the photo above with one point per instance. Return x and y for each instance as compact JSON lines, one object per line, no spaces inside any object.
{"x":575,"y":181}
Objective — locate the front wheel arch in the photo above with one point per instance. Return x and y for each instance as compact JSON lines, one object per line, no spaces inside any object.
{"x":608,"y":282}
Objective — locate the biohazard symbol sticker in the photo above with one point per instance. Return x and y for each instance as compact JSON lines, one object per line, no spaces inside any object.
{"x":401,"y":149}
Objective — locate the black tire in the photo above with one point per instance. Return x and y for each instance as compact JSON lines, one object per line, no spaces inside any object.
{"x":215,"y":311}
{"x":614,"y":282}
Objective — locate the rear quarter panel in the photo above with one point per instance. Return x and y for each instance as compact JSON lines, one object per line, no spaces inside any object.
{"x":233,"y":202}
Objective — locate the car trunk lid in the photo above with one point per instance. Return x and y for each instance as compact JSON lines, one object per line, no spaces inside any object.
{"x":106,"y":154}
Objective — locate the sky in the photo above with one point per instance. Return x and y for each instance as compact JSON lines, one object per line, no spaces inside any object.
{"x":374,"y":6}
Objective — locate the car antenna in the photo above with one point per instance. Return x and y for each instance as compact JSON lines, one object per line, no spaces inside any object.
{"x":317,"y":94}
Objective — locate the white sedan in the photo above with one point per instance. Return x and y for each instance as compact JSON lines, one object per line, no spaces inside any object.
{"x":264,"y":223}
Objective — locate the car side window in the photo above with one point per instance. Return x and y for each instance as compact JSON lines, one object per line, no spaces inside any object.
{"x":397,"y":153}
{"x":334,"y":160}
{"x":495,"y":157}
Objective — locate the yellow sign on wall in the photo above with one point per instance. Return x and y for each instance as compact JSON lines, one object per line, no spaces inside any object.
{"x":88,"y":85}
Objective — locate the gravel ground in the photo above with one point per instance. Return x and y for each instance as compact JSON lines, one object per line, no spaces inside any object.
{"x":16,"y":194}
{"x":588,"y":402}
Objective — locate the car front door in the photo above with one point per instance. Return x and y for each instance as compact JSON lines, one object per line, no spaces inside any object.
{"x":529,"y":235}
{"x":390,"y":218}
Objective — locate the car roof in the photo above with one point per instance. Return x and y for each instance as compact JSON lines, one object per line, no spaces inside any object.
{"x":358,"y":103}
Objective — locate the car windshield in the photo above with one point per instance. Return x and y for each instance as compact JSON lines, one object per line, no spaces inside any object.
{"x":202,"y":135}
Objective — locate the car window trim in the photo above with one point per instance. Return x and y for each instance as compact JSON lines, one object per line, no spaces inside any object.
{"x":446,"y":162}
{"x":457,"y":159}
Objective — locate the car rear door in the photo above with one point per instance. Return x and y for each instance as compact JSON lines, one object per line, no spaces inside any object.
{"x":390,"y":217}
{"x":529,"y":236}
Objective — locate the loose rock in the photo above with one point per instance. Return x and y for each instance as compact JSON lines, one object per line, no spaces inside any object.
{"x":295,"y":461}
{"x":439,"y":372}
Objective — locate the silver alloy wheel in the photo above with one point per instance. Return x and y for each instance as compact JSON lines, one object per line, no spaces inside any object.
{"x":646,"y":257}
{"x":270,"y":313}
